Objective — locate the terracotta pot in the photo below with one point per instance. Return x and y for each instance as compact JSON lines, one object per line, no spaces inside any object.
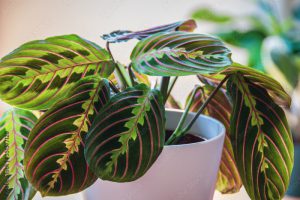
{"x":186,"y":172}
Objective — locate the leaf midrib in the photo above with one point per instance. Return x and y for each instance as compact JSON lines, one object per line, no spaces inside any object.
{"x":263,"y":160}
{"x":136,"y":121}
{"x":17,"y":165}
{"x":78,"y":131}
{"x":60,"y":69}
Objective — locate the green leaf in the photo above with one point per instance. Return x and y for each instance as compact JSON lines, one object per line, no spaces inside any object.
{"x":273,"y":88}
{"x":127,"y":136}
{"x":211,"y":16}
{"x":261,"y":139}
{"x":15,"y":126}
{"x":125,"y":35}
{"x":180,"y":53}
{"x":229,"y":180}
{"x":54,"y":156}
{"x":39,"y":73}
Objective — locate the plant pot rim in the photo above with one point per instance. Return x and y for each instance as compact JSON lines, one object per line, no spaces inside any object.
{"x":221,"y":130}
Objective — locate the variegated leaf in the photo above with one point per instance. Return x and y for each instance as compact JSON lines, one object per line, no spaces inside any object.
{"x":180,"y":53}
{"x":37,"y":74}
{"x":229,"y":180}
{"x":127,"y":136}
{"x":261,"y":139}
{"x":123,"y":36}
{"x":15,"y":126}
{"x":273,"y":87}
{"x":54,"y":156}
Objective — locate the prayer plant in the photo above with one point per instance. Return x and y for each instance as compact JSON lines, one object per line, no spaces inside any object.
{"x":101,"y":119}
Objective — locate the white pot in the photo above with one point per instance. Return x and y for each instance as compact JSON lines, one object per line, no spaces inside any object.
{"x":182,"y":172}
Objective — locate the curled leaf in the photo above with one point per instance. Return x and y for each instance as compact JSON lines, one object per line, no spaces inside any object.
{"x":123,"y":36}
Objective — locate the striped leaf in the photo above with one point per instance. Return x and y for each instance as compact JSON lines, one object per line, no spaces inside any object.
{"x":38,"y":74}
{"x":261,"y":139}
{"x":123,"y":36}
{"x":54,"y":156}
{"x":127,"y":136}
{"x":229,"y":180}
{"x":15,"y":126}
{"x":272,"y":86}
{"x":180,"y":53}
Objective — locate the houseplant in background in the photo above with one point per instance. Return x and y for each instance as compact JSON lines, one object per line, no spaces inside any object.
{"x":100,"y":119}
{"x":272,"y":42}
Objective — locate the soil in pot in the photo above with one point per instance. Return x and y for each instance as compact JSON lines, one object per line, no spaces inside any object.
{"x":187,"y":139}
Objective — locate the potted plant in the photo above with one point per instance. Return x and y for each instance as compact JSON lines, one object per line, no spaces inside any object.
{"x":272,"y":42}
{"x":101,"y":119}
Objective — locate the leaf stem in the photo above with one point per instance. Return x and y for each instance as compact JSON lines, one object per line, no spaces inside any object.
{"x":171,"y":86}
{"x":131,"y":74}
{"x":164,"y":85}
{"x":177,"y":133}
{"x":203,"y":106}
{"x":113,"y":87}
{"x":121,"y":80}
{"x":183,"y":131}
{"x":29,"y":192}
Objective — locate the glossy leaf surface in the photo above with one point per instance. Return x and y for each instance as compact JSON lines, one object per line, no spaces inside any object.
{"x":127,"y":136}
{"x":54,"y":155}
{"x":273,"y":87}
{"x":180,"y":53}
{"x":261,"y":139}
{"x":39,"y":73}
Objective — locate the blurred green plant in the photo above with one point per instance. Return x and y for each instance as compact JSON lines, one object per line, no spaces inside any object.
{"x":271,"y":38}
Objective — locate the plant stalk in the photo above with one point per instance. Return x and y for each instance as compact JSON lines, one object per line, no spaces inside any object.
{"x":113,"y":87}
{"x":29,"y":193}
{"x":177,"y":133}
{"x":121,"y":79}
{"x":171,"y":86}
{"x":131,"y":75}
{"x":164,"y":85}
{"x":181,"y":132}
{"x":203,"y":106}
